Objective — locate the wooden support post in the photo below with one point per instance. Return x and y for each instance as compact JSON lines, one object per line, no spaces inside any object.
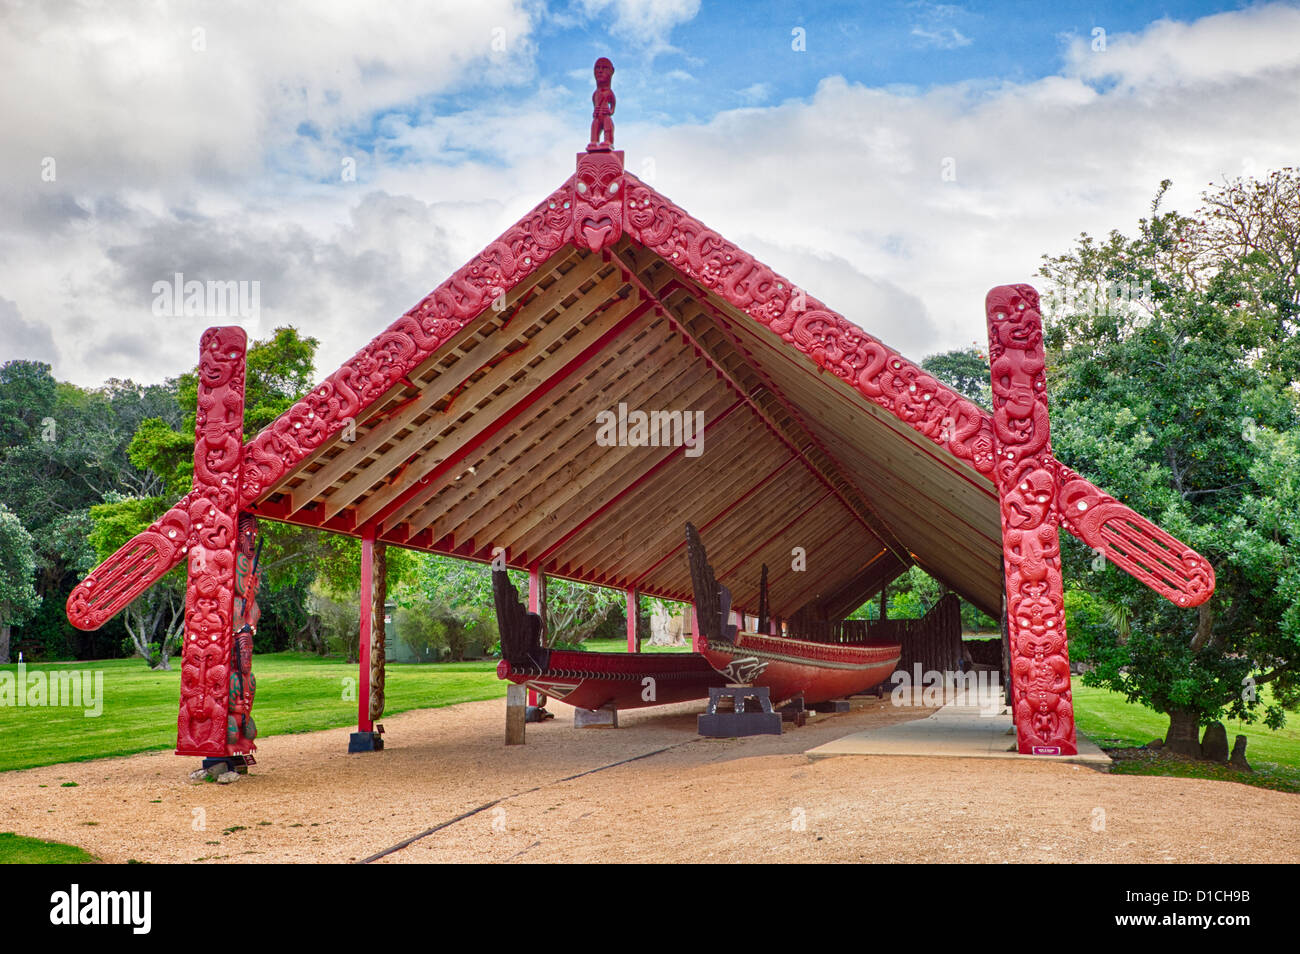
{"x":378,"y":632}
{"x":367,"y":606}
{"x":516,"y":713}
{"x":697,"y":643}
{"x":633,"y":604}
{"x":536,"y":604}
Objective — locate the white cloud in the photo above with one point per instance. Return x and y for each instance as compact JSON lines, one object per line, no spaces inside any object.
{"x":1224,"y":47}
{"x":935,"y":28}
{"x":944,"y":38}
{"x":843,"y":192}
{"x":646,"y":23}
{"x":23,"y":339}
{"x":858,"y":172}
{"x":132,"y":93}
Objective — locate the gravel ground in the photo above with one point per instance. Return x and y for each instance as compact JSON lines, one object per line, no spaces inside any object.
{"x":700,"y":800}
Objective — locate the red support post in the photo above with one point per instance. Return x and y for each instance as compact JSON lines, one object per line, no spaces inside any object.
{"x":696,"y":642}
{"x":633,"y":601}
{"x":367,"y":602}
{"x":534,"y":606}
{"x":1026,"y":478}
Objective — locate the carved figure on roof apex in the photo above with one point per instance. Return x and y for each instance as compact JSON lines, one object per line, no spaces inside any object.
{"x":603,"y":102}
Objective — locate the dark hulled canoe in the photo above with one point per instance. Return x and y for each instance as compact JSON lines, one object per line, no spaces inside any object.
{"x":591,"y":680}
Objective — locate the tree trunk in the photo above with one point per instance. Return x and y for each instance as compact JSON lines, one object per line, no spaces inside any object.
{"x":1204,"y":635}
{"x":1183,"y":736}
{"x":665,"y":629}
{"x":175,"y":629}
{"x":4,"y":642}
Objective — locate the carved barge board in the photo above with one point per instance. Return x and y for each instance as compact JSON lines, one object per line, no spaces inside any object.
{"x":726,"y":274}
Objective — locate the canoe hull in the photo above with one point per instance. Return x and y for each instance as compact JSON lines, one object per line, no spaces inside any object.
{"x":592,"y":680}
{"x":818,"y":672}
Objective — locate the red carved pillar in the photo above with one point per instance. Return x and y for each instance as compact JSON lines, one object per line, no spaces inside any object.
{"x":1025,"y":475}
{"x":633,"y":603}
{"x":213,"y":515}
{"x":535,"y":606}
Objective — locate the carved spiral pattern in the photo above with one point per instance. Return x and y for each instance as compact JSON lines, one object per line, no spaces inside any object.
{"x":1158,"y":559}
{"x":1026,"y":479}
{"x":132,"y":569}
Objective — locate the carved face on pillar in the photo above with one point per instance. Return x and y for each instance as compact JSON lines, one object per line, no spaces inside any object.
{"x":247,"y":534}
{"x":598,"y":200}
{"x":1016,"y":338}
{"x":1027,"y":504}
{"x":215,"y":364}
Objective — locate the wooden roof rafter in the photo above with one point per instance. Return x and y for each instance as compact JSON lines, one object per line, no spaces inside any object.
{"x":860,"y":511}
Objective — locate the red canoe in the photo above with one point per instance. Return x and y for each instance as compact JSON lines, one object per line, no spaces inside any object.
{"x":793,"y":667}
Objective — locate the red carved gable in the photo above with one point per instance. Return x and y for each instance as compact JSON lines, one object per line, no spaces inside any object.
{"x":591,"y":210}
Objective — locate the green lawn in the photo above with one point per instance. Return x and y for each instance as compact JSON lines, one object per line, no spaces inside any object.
{"x":296,"y":692}
{"x":20,"y":850}
{"x":620,"y":646}
{"x":1102,"y":714}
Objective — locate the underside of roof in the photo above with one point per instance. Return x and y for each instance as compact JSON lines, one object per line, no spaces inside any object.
{"x":493,"y":441}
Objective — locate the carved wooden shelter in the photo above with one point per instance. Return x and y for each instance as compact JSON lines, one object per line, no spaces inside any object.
{"x":468,"y":426}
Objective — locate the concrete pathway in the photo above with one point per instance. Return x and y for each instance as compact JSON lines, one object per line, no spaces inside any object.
{"x":980,"y":732}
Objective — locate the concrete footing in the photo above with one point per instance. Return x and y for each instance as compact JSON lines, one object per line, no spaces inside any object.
{"x":831,"y":705}
{"x":605,"y":717}
{"x":366,"y":741}
{"x":794,"y":712}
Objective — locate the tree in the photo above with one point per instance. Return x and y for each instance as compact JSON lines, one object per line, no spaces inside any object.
{"x":965,"y":370}
{"x":155,"y":619}
{"x":574,"y":611}
{"x":18,"y":597}
{"x":64,"y":448}
{"x":913,"y":594}
{"x":1170,"y":372}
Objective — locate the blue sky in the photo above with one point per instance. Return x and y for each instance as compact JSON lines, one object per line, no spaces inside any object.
{"x":207,"y":137}
{"x":732,"y":55}
{"x":740,"y":54}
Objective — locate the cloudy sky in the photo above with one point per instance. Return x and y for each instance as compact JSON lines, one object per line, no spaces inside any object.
{"x":215,"y":140}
